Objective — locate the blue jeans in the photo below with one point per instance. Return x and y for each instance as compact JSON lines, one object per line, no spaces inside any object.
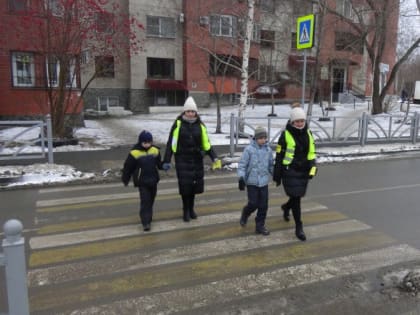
{"x":257,"y":199}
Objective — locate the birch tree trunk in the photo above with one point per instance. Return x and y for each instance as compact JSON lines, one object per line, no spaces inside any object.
{"x":245,"y":61}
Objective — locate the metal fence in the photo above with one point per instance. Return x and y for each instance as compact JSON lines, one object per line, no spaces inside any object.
{"x":333,"y":131}
{"x":12,"y":148}
{"x":13,"y":259}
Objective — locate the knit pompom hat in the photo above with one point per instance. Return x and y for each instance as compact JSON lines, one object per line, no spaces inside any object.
{"x":145,"y":136}
{"x":190,"y":104}
{"x":296,"y":114}
{"x":260,"y":132}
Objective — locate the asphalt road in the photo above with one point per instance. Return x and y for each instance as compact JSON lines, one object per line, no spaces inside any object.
{"x":86,"y":248}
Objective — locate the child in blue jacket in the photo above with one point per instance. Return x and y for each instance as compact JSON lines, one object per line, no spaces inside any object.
{"x":142,"y":164}
{"x":254,"y":171}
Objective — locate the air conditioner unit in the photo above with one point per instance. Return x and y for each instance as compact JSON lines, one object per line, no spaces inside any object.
{"x":204,"y":20}
{"x":181,"y":18}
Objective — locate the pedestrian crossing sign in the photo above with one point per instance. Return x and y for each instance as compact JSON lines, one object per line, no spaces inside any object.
{"x":305,"y":31}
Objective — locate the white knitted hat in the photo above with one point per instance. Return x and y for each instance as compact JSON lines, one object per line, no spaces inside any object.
{"x":296,"y":114}
{"x":190,"y":104}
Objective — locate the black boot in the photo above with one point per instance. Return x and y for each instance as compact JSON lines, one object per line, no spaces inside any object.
{"x":262,"y":230}
{"x":193,"y":215}
{"x":299,"y":232}
{"x":244,"y":218}
{"x":186,"y":216}
{"x":286,"y":212}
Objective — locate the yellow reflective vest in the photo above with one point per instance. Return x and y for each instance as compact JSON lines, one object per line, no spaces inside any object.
{"x":205,"y":142}
{"x":291,"y":145}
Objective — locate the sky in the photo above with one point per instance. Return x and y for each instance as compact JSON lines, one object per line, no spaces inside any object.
{"x":123,"y":129}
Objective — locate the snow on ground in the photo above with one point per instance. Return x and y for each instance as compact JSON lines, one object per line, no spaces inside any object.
{"x":104,"y":133}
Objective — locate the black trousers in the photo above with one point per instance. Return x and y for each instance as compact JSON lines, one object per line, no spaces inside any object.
{"x":188,"y":202}
{"x":257,"y":199}
{"x":147,"y":199}
{"x":294,"y":204}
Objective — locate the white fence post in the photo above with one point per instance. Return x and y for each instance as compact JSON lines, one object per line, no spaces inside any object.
{"x":15,"y":265}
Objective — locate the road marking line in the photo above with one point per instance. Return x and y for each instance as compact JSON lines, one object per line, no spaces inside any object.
{"x":133,"y":201}
{"x":227,"y":290}
{"x":121,"y":263}
{"x":132,"y":195}
{"x":207,"y":270}
{"x":209,"y":208}
{"x":170,"y":239}
{"x":71,"y":238}
{"x":163,"y":180}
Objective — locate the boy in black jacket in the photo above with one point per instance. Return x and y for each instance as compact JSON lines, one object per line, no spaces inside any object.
{"x":142,"y":164}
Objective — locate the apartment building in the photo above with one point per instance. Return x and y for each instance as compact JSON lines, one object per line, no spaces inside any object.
{"x":27,"y":72}
{"x":194,"y":47}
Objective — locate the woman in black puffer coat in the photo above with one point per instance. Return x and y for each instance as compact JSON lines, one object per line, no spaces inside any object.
{"x":295,"y":165}
{"x":188,"y":141}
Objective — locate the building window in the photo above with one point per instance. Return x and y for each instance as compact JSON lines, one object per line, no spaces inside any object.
{"x":256,"y":31}
{"x":160,"y":68}
{"x":54,"y":7}
{"x":344,"y":8}
{"x":267,"y":39}
{"x":348,"y":42}
{"x":267,"y":5}
{"x":104,"y":22}
{"x":18,"y":5}
{"x":85,"y":57}
{"x":266,"y":73}
{"x":23,"y":69}
{"x":293,"y":44}
{"x":104,"y":66}
{"x":253,"y":68}
{"x":53,"y":72}
{"x":158,"y":26}
{"x":225,"y":65}
{"x":223,"y":25}
{"x":105,"y":102}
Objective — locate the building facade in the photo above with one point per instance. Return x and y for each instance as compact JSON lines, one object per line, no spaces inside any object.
{"x":194,"y":47}
{"x":28,"y":74}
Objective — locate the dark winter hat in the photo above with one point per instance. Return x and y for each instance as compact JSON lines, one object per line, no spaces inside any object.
{"x":145,"y":136}
{"x":260,"y":132}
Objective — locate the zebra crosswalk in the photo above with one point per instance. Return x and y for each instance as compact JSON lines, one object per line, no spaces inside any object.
{"x":91,"y":256}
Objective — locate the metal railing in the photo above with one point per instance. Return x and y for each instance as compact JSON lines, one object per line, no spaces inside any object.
{"x":13,"y":259}
{"x":10,"y":151}
{"x":334,"y":130}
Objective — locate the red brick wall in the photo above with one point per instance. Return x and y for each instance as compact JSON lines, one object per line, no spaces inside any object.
{"x":196,"y":59}
{"x":20,"y":101}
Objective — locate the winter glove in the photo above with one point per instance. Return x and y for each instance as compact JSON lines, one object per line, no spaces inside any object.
{"x":241,"y":184}
{"x":277,"y":175}
{"x":166,"y":166}
{"x":312,"y":172}
{"x":217,"y":165}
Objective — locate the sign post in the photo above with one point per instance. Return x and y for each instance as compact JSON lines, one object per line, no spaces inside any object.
{"x":305,"y":39}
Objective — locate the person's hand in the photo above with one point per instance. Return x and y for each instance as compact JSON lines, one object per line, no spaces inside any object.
{"x":241,"y":184}
{"x":217,"y":165}
{"x":312,"y":172}
{"x":166,"y":166}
